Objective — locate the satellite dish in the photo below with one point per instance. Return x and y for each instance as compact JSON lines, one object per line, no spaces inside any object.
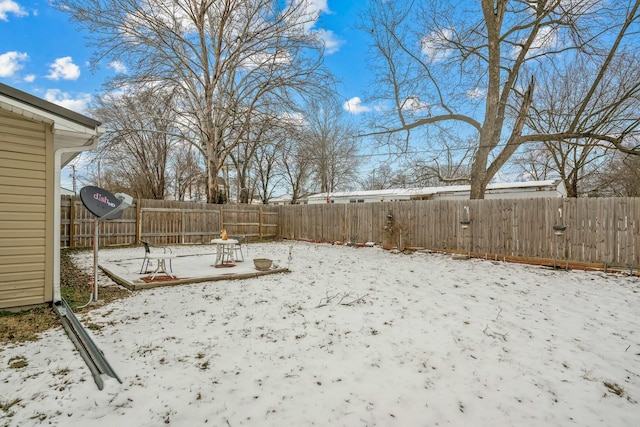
{"x":100,"y":202}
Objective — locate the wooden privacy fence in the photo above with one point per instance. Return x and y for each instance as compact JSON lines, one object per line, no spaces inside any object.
{"x":603,"y":231}
{"x":165,"y":222}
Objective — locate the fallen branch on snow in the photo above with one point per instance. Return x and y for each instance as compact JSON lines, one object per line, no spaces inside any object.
{"x":345,"y":299}
{"x":492,"y":334}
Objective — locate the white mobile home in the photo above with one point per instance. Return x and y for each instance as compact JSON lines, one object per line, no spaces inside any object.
{"x":507,"y":190}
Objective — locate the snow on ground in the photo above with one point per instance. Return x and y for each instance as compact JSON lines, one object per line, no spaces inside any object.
{"x":350,"y":337}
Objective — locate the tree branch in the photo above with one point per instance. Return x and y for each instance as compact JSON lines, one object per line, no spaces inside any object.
{"x":428,"y":120}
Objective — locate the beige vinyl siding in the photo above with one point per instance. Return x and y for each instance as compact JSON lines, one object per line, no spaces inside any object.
{"x":25,"y":253}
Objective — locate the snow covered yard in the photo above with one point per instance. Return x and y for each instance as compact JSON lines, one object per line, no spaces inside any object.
{"x":351,"y":337}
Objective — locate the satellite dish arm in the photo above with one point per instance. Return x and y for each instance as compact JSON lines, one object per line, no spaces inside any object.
{"x":125,"y":201}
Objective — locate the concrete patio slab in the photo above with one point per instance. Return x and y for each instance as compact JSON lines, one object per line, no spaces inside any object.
{"x":186,"y":269}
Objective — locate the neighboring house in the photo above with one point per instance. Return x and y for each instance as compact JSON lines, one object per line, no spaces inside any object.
{"x":281,"y":200}
{"x":37,"y":138}
{"x":509,"y":190}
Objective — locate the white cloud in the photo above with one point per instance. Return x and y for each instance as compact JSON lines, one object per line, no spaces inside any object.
{"x":319,"y":5}
{"x":476,"y":93}
{"x":435,"y":47}
{"x":354,"y":106}
{"x":294,"y":119}
{"x":11,"y":63}
{"x":64,"y":68}
{"x":381,"y":107}
{"x":10,"y":6}
{"x":332,"y":43}
{"x":118,"y":67}
{"x":413,"y":103}
{"x":29,"y":78}
{"x":546,"y":39}
{"x":311,"y":9}
{"x":63,"y":99}
{"x":258,"y":59}
{"x":314,"y":8}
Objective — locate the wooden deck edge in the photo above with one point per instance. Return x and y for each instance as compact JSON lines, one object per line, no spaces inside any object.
{"x":134,"y":286}
{"x":119,"y":280}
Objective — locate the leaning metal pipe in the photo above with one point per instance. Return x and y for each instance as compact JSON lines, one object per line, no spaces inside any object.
{"x":93,"y":357}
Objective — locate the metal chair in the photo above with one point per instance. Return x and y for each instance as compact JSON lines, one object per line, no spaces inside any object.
{"x":239,"y":256}
{"x":167,"y":254}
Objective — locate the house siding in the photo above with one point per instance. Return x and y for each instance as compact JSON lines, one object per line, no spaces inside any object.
{"x":26,"y":218}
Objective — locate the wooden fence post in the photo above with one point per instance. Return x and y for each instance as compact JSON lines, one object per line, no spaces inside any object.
{"x":72,"y":215}
{"x":260,"y":222}
{"x":138,"y":221}
{"x":183,"y":227}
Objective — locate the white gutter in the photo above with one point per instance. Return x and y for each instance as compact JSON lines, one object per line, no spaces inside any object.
{"x":57,"y":296}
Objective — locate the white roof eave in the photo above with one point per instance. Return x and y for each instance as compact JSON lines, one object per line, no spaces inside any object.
{"x":66,"y":133}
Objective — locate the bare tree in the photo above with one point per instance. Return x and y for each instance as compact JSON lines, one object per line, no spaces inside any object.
{"x":330,"y":146}
{"x":575,"y":160}
{"x":284,"y":161}
{"x":619,"y":177}
{"x":254,"y":159}
{"x":222,"y":57}
{"x":379,"y":178}
{"x":535,"y":164}
{"x":383,"y":177}
{"x":135,"y":151}
{"x":448,"y":164}
{"x":189,"y":177}
{"x":268,"y":178}
{"x":296,"y":166}
{"x":477,"y":65}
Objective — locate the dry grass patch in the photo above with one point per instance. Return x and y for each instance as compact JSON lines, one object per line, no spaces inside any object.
{"x":75,"y":285}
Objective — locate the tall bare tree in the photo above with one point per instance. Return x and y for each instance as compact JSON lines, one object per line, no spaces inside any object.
{"x":222,"y":56}
{"x":619,"y":177}
{"x":267,"y":175}
{"x":189,"y":178}
{"x":135,"y":151}
{"x":477,"y":65}
{"x":254,"y":159}
{"x":575,"y":160}
{"x":534,"y":164}
{"x":330,"y":145}
{"x":295,"y":165}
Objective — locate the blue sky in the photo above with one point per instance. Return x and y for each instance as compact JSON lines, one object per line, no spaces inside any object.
{"x":42,"y":53}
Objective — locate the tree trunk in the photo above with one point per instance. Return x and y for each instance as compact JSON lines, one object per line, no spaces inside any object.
{"x":214,"y":195}
{"x":571,"y":184}
{"x":478,"y":174}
